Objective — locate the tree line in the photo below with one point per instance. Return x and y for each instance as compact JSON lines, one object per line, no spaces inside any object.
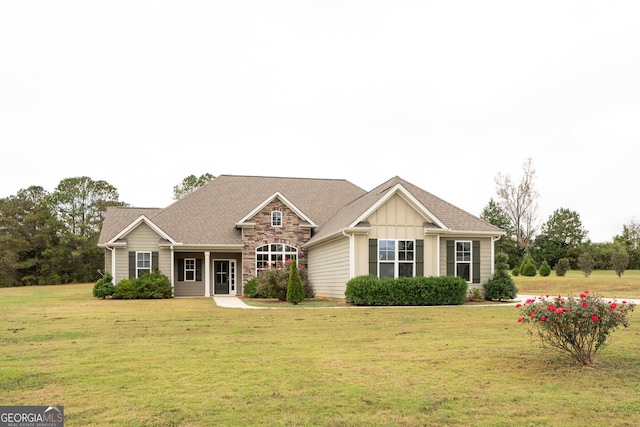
{"x":51,"y":238}
{"x":561,"y":237}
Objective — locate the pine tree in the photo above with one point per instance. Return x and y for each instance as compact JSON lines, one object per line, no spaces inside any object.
{"x":295,"y":292}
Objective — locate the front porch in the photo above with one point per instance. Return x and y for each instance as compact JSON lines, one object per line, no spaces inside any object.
{"x":206,"y":273}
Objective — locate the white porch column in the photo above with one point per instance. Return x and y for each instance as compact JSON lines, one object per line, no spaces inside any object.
{"x":207,"y":274}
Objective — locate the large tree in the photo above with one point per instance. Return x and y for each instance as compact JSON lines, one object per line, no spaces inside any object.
{"x":562,"y":232}
{"x":189,"y":184}
{"x":28,"y":232}
{"x":495,"y":215}
{"x":81,"y":204}
{"x":630,"y":240}
{"x":519,"y":203}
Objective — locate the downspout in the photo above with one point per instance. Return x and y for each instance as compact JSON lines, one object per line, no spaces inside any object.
{"x":494,"y":239}
{"x":438,"y":255}
{"x":173,"y":285}
{"x":352,"y":254}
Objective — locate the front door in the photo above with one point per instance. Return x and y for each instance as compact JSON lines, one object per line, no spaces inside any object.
{"x":222,"y":278}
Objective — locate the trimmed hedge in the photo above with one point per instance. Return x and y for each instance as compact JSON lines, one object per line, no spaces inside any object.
{"x":149,"y":286}
{"x":370,"y":290}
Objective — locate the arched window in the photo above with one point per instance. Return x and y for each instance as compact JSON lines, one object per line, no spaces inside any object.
{"x":276,"y":219}
{"x":274,"y":255}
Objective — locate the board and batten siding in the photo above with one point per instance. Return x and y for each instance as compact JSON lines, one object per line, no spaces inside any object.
{"x":329,"y":268}
{"x":396,"y":219}
{"x":142,"y":238}
{"x":485,"y":257}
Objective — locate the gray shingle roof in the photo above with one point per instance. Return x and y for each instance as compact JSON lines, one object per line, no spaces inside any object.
{"x":209,"y":214}
{"x":453,"y":218}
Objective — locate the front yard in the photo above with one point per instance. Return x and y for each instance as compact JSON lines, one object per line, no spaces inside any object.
{"x":188,"y":362}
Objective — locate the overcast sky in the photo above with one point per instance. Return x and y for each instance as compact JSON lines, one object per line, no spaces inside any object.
{"x":444,"y":94}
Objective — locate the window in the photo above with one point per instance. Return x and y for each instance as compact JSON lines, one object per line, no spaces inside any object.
{"x":143,"y":263}
{"x":276,"y":219}
{"x":274,"y":255}
{"x":463,"y":260}
{"x":189,"y":269}
{"x":396,"y":258}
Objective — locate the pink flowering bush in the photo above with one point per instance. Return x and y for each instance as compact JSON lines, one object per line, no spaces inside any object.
{"x":578,"y":326}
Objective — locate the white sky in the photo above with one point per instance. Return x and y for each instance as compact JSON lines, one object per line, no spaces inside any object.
{"x":444,"y":94}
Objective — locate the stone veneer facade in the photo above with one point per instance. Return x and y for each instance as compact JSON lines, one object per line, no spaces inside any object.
{"x":290,"y":233}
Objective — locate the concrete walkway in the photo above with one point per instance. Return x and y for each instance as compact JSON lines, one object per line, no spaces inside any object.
{"x":227,"y":301}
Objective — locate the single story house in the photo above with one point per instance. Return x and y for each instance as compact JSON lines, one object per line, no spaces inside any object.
{"x":218,"y":237}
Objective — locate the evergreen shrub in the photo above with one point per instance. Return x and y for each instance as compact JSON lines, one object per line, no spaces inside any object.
{"x":501,"y":286}
{"x":295,"y":293}
{"x":406,"y":291}
{"x":149,"y":286}
{"x":273,"y":282}
{"x":250,"y":288}
{"x":104,"y":286}
{"x":545,"y":269}
{"x":562,"y":266}
{"x":528,"y":267}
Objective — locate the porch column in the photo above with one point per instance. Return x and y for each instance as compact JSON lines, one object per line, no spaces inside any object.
{"x":207,"y":274}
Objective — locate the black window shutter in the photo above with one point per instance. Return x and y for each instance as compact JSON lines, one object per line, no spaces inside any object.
{"x":475,"y":254}
{"x":419,"y":257}
{"x":451,"y":258}
{"x":180,"y":269}
{"x":373,"y":257}
{"x":198,"y":270}
{"x":132,"y":265}
{"x":154,"y":262}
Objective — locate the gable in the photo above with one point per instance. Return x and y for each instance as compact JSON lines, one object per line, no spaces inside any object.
{"x":278,"y":202}
{"x":397,"y":219}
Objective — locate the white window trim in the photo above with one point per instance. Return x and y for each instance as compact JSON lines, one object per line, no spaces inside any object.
{"x":189,"y":269}
{"x":470,"y":262}
{"x":273,"y":214}
{"x":396,"y":260}
{"x":138,"y":268}
{"x":285,"y":253}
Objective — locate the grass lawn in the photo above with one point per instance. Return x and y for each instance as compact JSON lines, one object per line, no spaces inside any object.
{"x":604,"y":282}
{"x":188,"y":362}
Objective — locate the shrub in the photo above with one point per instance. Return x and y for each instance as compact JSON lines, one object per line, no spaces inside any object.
{"x":501,"y":286}
{"x":620,"y":262}
{"x":273,"y":282}
{"x":104,"y":286}
{"x":562,"y":266}
{"x":149,"y":286}
{"x":295,"y":293}
{"x":528,"y":267}
{"x":577,"y":326}
{"x":250,"y":288}
{"x":586,"y":263}
{"x":370,"y":290}
{"x":516,"y":271}
{"x":545,"y":269}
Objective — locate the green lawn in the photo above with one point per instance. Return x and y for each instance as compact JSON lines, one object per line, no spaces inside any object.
{"x":604,"y":282}
{"x":188,"y":362}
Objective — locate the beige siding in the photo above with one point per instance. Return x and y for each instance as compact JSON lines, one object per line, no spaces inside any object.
{"x":361,"y":255}
{"x":485,"y":257}
{"x":107,"y":261}
{"x":142,"y":238}
{"x":329,"y":269}
{"x":396,"y":219}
